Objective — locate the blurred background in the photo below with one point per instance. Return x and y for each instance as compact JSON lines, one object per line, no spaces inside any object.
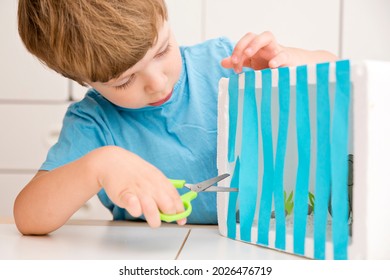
{"x":33,"y":99}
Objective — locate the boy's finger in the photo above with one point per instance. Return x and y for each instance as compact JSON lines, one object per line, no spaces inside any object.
{"x":265,"y":40}
{"x":281,"y":59}
{"x":227,"y":62}
{"x":150,"y":211}
{"x":168,"y":199}
{"x":241,"y":46}
{"x":132,"y":204}
{"x":182,"y":222}
{"x":167,"y":204}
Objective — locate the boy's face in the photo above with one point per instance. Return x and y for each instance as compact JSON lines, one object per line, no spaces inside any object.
{"x":151,"y":80}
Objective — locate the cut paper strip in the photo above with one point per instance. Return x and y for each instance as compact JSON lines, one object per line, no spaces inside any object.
{"x":248,"y":183}
{"x":233,"y":112}
{"x":339,"y":158}
{"x":322,"y":188}
{"x":268,"y":159}
{"x":232,"y":204}
{"x":284,"y":110}
{"x":304,"y":145}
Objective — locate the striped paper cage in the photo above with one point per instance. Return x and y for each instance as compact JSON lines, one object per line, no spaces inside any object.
{"x":307,"y":147}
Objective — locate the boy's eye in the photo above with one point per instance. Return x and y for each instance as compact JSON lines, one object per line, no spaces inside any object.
{"x":125,"y":85}
{"x":132,"y":77}
{"x":163,"y":52}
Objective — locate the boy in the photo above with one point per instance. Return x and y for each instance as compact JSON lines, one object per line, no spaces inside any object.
{"x":151,"y":112}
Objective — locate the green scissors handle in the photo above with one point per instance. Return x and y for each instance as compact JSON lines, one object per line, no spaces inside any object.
{"x":193,"y":193}
{"x":186,"y":198}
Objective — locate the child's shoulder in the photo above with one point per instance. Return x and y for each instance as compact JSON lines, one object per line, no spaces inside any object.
{"x":206,"y":57}
{"x":217,"y":47}
{"x":91,"y":103}
{"x":215,"y":43}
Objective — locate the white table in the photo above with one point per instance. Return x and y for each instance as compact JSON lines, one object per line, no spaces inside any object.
{"x":108,"y":240}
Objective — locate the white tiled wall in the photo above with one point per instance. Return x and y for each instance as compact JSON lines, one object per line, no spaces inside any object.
{"x":22,"y":76}
{"x":366,"y":29}
{"x":33,"y":99}
{"x":300,"y":23}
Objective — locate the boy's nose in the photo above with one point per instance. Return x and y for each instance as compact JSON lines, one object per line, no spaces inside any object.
{"x":155,"y":82}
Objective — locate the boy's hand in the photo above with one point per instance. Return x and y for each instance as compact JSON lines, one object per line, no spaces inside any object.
{"x":257,"y":52}
{"x":136,"y":185}
{"x":263,"y":51}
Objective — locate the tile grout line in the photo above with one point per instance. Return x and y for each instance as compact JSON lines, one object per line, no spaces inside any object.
{"x":182,"y":245}
{"x":341,"y":29}
{"x":203,"y":20}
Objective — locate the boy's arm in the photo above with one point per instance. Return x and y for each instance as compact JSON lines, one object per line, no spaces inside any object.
{"x":260,"y":51}
{"x":51,"y":197}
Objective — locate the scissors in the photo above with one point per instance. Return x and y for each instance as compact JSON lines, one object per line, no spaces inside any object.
{"x":205,"y":186}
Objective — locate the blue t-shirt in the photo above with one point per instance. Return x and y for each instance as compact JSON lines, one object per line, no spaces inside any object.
{"x":178,"y":137}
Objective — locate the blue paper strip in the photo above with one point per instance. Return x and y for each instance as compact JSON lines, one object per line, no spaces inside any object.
{"x":232,"y":203}
{"x":249,"y":159}
{"x":302,"y":180}
{"x":233,"y":112}
{"x":268,"y":159}
{"x":284,"y":109}
{"x":322,"y":189}
{"x":339,"y":157}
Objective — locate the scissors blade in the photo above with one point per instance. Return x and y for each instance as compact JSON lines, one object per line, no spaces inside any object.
{"x":220,"y":189}
{"x":200,"y":187}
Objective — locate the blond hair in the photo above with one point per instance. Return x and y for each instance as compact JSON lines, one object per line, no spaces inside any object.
{"x":90,"y":40}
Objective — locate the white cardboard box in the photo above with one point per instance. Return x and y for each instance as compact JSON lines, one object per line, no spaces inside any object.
{"x":357,"y":124}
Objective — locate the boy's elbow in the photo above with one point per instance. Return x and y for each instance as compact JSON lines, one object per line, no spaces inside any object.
{"x":25,"y":224}
{"x":27,"y":228}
